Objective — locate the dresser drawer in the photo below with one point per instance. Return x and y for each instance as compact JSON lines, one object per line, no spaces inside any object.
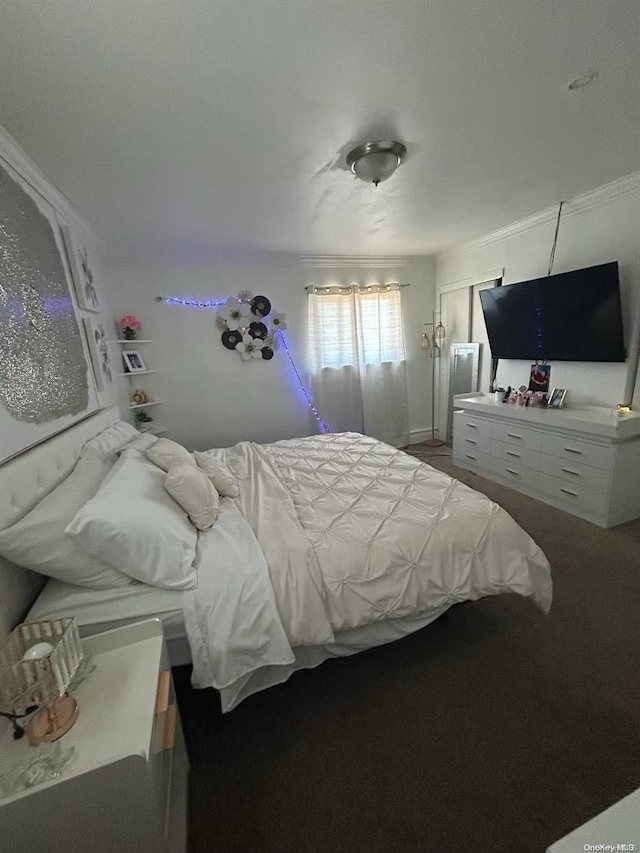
{"x":574,"y":495}
{"x":514,"y":473}
{"x":515,"y":454}
{"x":575,"y":472}
{"x":470,"y":423}
{"x":470,"y":458}
{"x":521,"y":436}
{"x":467,"y":439}
{"x":577,"y":450}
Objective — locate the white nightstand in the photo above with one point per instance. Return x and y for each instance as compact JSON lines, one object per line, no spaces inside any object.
{"x":126,"y":789}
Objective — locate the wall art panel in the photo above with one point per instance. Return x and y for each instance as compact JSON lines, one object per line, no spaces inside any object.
{"x":45,"y":379}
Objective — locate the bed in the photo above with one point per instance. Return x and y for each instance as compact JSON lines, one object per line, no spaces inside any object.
{"x":335,"y":544}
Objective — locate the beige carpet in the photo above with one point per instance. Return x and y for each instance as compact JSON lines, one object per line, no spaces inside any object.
{"x":495,"y":730}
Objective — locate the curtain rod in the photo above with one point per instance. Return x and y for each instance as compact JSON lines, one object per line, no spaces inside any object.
{"x":328,"y":287}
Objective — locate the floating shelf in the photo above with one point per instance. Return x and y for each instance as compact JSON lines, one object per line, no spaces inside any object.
{"x":153,"y":430}
{"x":125,"y":341}
{"x":146,"y":405}
{"x":137,"y":372}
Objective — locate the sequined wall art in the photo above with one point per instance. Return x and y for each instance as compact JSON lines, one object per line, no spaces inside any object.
{"x":45,"y":383}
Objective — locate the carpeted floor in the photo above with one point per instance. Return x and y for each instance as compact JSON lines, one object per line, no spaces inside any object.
{"x":494,"y":730}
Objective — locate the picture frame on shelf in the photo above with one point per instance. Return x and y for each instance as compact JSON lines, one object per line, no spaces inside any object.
{"x":133,"y":361}
{"x":557,"y":398}
{"x":82,"y":275}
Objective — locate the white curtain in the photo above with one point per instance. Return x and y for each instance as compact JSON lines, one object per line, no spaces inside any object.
{"x":357,"y":361}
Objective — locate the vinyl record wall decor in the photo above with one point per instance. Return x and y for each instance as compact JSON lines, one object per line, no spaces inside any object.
{"x":250,"y":325}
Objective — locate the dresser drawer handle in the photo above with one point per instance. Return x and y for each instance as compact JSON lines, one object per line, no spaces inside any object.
{"x":514,"y":435}
{"x":473,"y":426}
{"x":470,"y":456}
{"x":511,"y":471}
{"x":569,"y":471}
{"x":471,"y":440}
{"x":513,"y":453}
{"x":572,"y":450}
{"x":569,"y":492}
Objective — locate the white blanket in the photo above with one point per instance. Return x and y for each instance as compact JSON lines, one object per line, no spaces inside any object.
{"x":231,"y":618}
{"x":349,"y":531}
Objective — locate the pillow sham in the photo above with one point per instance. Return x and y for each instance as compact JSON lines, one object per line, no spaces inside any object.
{"x":39,"y":542}
{"x":135,"y":526}
{"x":165,"y":452}
{"x":107,"y":443}
{"x":221,"y":476}
{"x":192,"y":489}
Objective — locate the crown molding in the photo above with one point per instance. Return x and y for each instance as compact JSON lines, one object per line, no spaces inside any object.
{"x":15,"y":157}
{"x":359,"y":261}
{"x":238,"y":257}
{"x":597,"y":197}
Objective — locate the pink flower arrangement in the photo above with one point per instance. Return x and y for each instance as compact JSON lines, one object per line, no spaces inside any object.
{"x":130,"y":322}
{"x":130,"y":327}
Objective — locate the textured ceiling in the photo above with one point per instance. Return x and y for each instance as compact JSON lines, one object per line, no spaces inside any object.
{"x":192,"y":126}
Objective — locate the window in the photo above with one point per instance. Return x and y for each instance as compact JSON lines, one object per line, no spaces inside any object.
{"x":355,"y":326}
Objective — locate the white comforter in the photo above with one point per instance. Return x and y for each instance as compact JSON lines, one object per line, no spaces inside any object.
{"x":348,"y":531}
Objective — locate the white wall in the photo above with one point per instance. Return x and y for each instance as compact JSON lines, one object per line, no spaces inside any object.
{"x":600,"y":226}
{"x":211,"y":397}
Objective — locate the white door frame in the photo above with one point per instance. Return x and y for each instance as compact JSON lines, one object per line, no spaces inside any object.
{"x":448,"y":287}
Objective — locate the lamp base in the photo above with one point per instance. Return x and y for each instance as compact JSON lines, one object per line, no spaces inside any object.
{"x":434,"y":442}
{"x":52,"y":722}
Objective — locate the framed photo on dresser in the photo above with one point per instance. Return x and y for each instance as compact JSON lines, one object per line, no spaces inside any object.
{"x":557,"y":397}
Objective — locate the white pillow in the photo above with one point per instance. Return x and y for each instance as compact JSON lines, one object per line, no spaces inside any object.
{"x":142,"y":442}
{"x":165,"y":452}
{"x":107,"y":443}
{"x":192,"y":489}
{"x":39,"y":542}
{"x":219,"y":474}
{"x":135,"y":526}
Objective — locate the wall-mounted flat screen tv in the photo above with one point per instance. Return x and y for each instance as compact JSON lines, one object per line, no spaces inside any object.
{"x":572,"y":316}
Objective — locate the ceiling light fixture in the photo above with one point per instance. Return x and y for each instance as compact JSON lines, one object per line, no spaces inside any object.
{"x":582,"y":81}
{"x":374,"y":162}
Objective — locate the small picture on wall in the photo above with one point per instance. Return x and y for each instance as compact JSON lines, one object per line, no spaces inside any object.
{"x":540,"y":377}
{"x":133,"y":362}
{"x":81,"y":273}
{"x":99,"y":351}
{"x":556,"y":400}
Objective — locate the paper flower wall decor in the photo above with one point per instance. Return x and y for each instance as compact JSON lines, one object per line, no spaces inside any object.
{"x":278,"y":321}
{"x":250,"y":347}
{"x":250,"y":327}
{"x":234,"y":313}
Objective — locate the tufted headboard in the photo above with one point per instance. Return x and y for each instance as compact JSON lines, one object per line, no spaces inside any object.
{"x":24,"y":481}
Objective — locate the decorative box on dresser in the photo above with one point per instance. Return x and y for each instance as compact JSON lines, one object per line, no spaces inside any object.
{"x":585,"y":461}
{"x":126,"y":786}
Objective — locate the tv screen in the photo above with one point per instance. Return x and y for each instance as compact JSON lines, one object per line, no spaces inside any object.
{"x":572,"y":316}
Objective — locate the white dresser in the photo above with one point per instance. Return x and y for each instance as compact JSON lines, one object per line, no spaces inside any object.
{"x":126,"y":788}
{"x":583,"y":460}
